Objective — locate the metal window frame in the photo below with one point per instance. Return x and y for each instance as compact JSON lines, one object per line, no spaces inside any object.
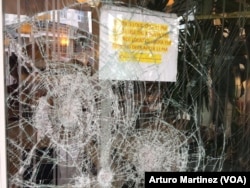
{"x":3,"y":156}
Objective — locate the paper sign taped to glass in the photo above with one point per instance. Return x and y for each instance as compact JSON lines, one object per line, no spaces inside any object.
{"x":138,"y":44}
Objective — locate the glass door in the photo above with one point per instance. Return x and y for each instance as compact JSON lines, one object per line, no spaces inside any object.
{"x":99,"y":92}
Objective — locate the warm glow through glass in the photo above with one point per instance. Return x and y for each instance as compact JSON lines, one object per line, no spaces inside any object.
{"x":170,"y":2}
{"x":64,"y":41}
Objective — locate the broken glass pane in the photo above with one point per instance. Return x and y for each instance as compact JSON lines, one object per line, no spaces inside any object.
{"x":80,"y":113}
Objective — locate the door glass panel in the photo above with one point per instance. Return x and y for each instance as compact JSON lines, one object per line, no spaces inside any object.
{"x":67,"y":126}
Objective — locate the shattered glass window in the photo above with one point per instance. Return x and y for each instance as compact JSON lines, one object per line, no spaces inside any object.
{"x":99,"y":92}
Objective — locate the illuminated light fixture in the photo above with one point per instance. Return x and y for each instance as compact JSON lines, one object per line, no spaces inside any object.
{"x":6,"y":41}
{"x":64,"y":41}
{"x":170,"y":2}
{"x":238,"y":87}
{"x":26,"y":28}
{"x":217,"y":22}
{"x":43,"y":17}
{"x":92,"y":3}
{"x":82,"y":1}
